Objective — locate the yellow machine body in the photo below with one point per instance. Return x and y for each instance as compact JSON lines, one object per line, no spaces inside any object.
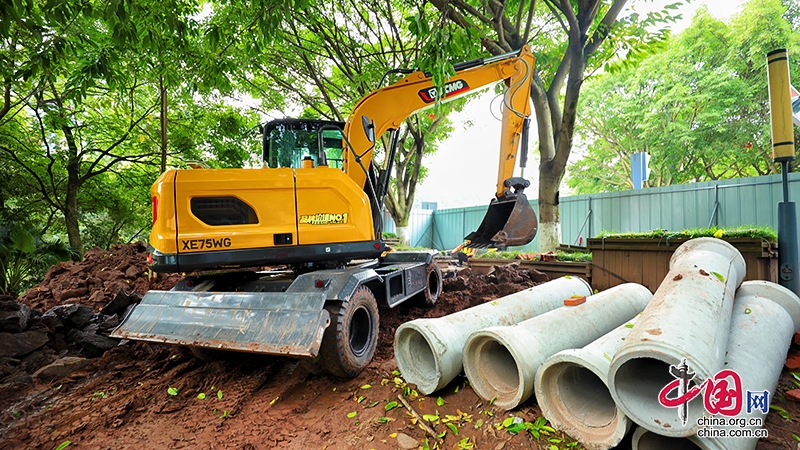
{"x":228,"y":210}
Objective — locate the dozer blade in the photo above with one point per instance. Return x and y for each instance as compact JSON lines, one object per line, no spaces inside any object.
{"x":507,"y":223}
{"x":271,"y":323}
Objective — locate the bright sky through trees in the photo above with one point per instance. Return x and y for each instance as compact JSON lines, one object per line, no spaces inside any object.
{"x":463,"y":172}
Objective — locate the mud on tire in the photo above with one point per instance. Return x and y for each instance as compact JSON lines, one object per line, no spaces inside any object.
{"x":349,"y":342}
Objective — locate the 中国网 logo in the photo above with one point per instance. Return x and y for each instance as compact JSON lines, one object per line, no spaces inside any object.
{"x":723,"y":397}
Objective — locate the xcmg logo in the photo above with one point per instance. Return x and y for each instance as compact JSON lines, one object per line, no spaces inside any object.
{"x":451,"y":88}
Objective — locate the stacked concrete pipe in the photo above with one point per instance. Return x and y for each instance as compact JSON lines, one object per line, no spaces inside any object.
{"x":765,"y":317}
{"x":428,"y":351}
{"x":500,"y":362}
{"x":571,"y":389}
{"x":689,"y":317}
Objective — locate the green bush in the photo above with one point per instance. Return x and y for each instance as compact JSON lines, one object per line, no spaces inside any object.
{"x":742,"y":231}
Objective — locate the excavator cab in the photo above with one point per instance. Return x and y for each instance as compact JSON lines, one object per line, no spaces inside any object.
{"x":289,"y":142}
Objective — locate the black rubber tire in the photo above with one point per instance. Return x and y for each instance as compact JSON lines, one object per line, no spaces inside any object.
{"x":433,"y":290}
{"x":349,"y":342}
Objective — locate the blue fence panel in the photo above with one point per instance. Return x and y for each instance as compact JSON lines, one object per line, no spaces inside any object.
{"x":724,"y":203}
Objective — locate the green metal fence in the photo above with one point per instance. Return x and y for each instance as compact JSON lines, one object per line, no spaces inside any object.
{"x":724,"y":203}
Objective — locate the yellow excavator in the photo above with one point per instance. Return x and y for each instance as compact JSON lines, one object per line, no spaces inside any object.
{"x":314,"y":208}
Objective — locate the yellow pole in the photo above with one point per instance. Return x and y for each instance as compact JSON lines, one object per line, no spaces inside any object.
{"x":780,"y":105}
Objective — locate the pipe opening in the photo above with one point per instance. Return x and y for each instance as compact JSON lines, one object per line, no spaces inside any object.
{"x":638,"y":382}
{"x":652,"y":441}
{"x":417,"y":355}
{"x":585,"y":397}
{"x":498,"y":367}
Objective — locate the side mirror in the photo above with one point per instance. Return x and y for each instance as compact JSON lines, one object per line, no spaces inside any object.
{"x":369,"y":128}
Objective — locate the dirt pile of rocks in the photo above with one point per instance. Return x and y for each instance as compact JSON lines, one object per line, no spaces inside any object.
{"x":98,"y":278}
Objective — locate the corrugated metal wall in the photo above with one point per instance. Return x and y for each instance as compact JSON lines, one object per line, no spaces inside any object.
{"x":741,"y":201}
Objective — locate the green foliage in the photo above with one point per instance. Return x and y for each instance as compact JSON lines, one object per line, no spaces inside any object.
{"x":559,"y":256}
{"x":25,"y":256}
{"x":742,"y":231}
{"x":698,"y":106}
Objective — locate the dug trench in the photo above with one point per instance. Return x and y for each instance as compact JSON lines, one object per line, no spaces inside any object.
{"x":144,"y":395}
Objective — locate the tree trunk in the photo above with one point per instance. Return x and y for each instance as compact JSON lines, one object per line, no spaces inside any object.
{"x":549,"y":221}
{"x":402,"y":233}
{"x":71,"y":211}
{"x":163,"y":90}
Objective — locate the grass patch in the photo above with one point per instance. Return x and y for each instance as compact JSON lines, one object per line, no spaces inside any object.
{"x":401,"y":247}
{"x":560,"y":256}
{"x":742,"y":231}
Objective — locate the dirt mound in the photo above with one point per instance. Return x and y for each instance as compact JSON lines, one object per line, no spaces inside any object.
{"x":98,"y":278}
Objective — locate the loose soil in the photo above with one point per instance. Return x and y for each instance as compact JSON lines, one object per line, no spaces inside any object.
{"x":142,"y":395}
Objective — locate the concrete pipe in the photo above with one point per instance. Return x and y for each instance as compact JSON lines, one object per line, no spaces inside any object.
{"x":501,"y":362}
{"x":428,"y":351}
{"x":571,"y":389}
{"x":689,"y":318}
{"x":765,"y":317}
{"x":644,"y":439}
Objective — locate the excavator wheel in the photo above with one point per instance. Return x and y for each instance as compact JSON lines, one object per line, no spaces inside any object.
{"x":349,"y":342}
{"x":431,"y":293}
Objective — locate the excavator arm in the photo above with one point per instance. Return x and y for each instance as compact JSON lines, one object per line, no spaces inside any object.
{"x":510,"y":219}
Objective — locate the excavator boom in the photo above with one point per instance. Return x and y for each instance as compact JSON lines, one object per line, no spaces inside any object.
{"x":510,"y":219}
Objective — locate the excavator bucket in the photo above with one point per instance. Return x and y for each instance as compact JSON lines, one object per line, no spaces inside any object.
{"x":256,"y":322}
{"x":507,"y":223}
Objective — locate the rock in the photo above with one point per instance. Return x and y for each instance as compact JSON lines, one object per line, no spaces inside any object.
{"x":96,"y":297}
{"x":406,"y":442}
{"x":19,"y":344}
{"x":38,"y":359}
{"x":110,"y":275}
{"x":93,"y":343}
{"x":538,"y":277}
{"x":60,"y":368}
{"x":456,"y":284}
{"x":107,"y":323}
{"x":52,"y":322}
{"x":72,"y":315}
{"x":13,"y":315}
{"x":120,"y":302}
{"x":61,"y":311}
{"x":132,"y":272}
{"x":793,"y":363}
{"x":71,"y":293}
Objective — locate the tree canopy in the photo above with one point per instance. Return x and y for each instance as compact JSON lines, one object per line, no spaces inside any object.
{"x":570,"y":39}
{"x":699,"y":107}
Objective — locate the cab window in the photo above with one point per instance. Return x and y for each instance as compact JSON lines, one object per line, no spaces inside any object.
{"x":288,"y":144}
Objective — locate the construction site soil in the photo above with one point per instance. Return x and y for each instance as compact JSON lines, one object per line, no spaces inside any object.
{"x":150,"y":396}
